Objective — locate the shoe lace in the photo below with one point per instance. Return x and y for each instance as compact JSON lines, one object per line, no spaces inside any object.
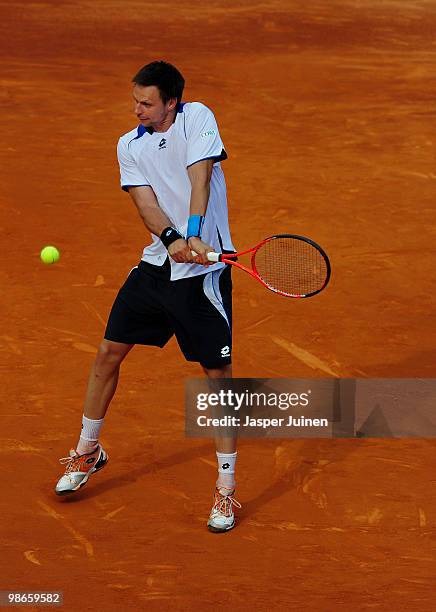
{"x":71,"y":462}
{"x":224,"y":502}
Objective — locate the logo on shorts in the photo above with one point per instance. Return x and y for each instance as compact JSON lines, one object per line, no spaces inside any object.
{"x":162,"y":144}
{"x":225,"y":351}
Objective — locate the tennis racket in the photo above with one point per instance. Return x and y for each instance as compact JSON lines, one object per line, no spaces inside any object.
{"x":290,"y":265}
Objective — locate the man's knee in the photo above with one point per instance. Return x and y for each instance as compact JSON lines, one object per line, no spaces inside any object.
{"x":112,"y":353}
{"x":223,"y":372}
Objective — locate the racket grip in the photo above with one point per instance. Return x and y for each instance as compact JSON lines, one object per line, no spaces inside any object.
{"x":211,"y":256}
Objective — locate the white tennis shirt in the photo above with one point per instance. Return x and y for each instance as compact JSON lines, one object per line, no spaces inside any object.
{"x":160,"y":160}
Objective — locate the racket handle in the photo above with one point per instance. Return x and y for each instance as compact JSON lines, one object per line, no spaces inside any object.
{"x":211,"y":256}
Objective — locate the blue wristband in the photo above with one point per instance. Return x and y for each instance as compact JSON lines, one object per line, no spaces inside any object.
{"x":195,"y":225}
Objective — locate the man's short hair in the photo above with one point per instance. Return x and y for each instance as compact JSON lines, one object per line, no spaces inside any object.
{"x":165,"y":77}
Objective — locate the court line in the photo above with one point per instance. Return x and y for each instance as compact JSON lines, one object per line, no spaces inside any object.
{"x":85,"y":348}
{"x":90,"y":308}
{"x":18,"y":414}
{"x":257,"y":323}
{"x":12,"y":344}
{"x":304,"y":356}
{"x":30,"y":556}
{"x":208,"y":462}
{"x":422,"y":518}
{"x":64,"y":331}
{"x":14,"y":445}
{"x":86,"y":544}
{"x":110,"y":515}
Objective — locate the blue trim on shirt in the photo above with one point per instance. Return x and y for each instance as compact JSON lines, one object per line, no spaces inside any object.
{"x":140,"y":132}
{"x":221,"y":157}
{"x":142,"y":129}
{"x":126,"y":187}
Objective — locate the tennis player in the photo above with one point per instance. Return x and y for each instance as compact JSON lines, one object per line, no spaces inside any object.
{"x":170,"y":166}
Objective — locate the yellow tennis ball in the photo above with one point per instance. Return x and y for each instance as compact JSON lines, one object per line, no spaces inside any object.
{"x":50,"y":255}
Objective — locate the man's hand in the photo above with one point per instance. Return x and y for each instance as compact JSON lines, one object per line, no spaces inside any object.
{"x":200,"y":247}
{"x":180,"y":252}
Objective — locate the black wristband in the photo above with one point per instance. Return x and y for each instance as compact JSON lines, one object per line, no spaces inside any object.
{"x":170,"y":235}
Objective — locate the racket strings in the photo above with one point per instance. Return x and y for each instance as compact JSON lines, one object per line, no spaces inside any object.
{"x":291,"y":266}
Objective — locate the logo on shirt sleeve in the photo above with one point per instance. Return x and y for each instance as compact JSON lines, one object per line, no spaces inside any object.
{"x":211,"y":132}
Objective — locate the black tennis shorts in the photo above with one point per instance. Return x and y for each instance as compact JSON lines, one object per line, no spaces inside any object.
{"x":150,"y":308}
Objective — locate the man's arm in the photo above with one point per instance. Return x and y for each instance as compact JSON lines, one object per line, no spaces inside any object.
{"x":155,"y":220}
{"x":200,"y":174}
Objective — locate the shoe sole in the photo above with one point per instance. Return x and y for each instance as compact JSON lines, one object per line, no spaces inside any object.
{"x":84,"y":481}
{"x":213,"y":529}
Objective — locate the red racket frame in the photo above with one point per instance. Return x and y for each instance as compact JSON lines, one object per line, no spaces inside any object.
{"x":228,"y":258}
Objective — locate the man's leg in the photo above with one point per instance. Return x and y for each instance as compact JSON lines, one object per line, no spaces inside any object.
{"x":222,"y":517}
{"x":103,"y":378}
{"x":89,"y":455}
{"x":223,"y":445}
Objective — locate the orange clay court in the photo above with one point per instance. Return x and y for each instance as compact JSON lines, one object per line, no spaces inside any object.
{"x":327,"y":112}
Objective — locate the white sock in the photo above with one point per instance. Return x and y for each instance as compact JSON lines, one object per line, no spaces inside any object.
{"x":89,"y":435}
{"x":226,"y":470}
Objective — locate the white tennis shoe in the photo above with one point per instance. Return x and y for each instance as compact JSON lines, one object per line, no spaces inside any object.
{"x":222,"y":517}
{"x":79,"y":468}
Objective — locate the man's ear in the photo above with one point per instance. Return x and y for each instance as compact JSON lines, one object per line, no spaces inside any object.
{"x":172,"y":104}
